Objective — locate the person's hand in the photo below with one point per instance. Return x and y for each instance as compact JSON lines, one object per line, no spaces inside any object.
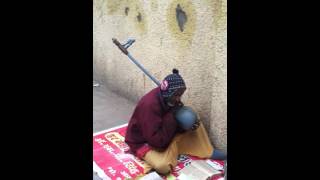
{"x":180,"y":104}
{"x":177,"y":107}
{"x":195,"y":125}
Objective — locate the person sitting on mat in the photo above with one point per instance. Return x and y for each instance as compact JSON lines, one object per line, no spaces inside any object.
{"x":154,"y":135}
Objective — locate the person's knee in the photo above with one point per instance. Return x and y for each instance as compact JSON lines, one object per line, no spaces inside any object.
{"x":162,"y":167}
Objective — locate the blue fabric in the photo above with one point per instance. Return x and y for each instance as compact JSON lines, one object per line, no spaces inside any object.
{"x":218,"y":155}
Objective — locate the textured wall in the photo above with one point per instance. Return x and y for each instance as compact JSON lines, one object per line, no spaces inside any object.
{"x":195,"y":44}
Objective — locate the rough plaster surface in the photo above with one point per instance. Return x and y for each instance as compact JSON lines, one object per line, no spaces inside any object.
{"x":199,"y":52}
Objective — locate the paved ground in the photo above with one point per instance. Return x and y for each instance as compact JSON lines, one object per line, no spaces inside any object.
{"x":109,"y":110}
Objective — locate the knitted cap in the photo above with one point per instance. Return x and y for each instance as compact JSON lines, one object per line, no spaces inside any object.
{"x":171,"y":83}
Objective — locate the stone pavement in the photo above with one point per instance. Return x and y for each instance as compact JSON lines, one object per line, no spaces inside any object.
{"x":109,"y":110}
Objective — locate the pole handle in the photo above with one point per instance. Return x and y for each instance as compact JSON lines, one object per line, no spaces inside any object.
{"x":117,"y":43}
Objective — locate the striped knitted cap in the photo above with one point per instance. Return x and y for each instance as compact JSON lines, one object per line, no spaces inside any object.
{"x":171,"y":83}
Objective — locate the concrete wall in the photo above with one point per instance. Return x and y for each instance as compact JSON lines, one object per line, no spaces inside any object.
{"x":195,"y":44}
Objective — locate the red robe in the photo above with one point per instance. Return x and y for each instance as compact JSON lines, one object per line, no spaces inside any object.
{"x":152,"y":124}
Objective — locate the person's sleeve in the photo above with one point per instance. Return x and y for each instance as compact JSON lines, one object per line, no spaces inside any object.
{"x":157,"y":130}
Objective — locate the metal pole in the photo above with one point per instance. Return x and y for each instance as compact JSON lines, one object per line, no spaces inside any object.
{"x":124,"y":48}
{"x":144,"y":70}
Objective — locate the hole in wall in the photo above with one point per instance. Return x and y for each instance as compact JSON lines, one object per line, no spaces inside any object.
{"x":126,"y":11}
{"x":181,"y":17}
{"x":139,"y":17}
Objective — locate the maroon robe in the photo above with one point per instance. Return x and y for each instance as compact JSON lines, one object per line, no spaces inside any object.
{"x":151,"y":125}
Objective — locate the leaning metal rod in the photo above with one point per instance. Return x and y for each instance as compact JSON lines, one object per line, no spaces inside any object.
{"x":144,"y":70}
{"x":124,"y":48}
